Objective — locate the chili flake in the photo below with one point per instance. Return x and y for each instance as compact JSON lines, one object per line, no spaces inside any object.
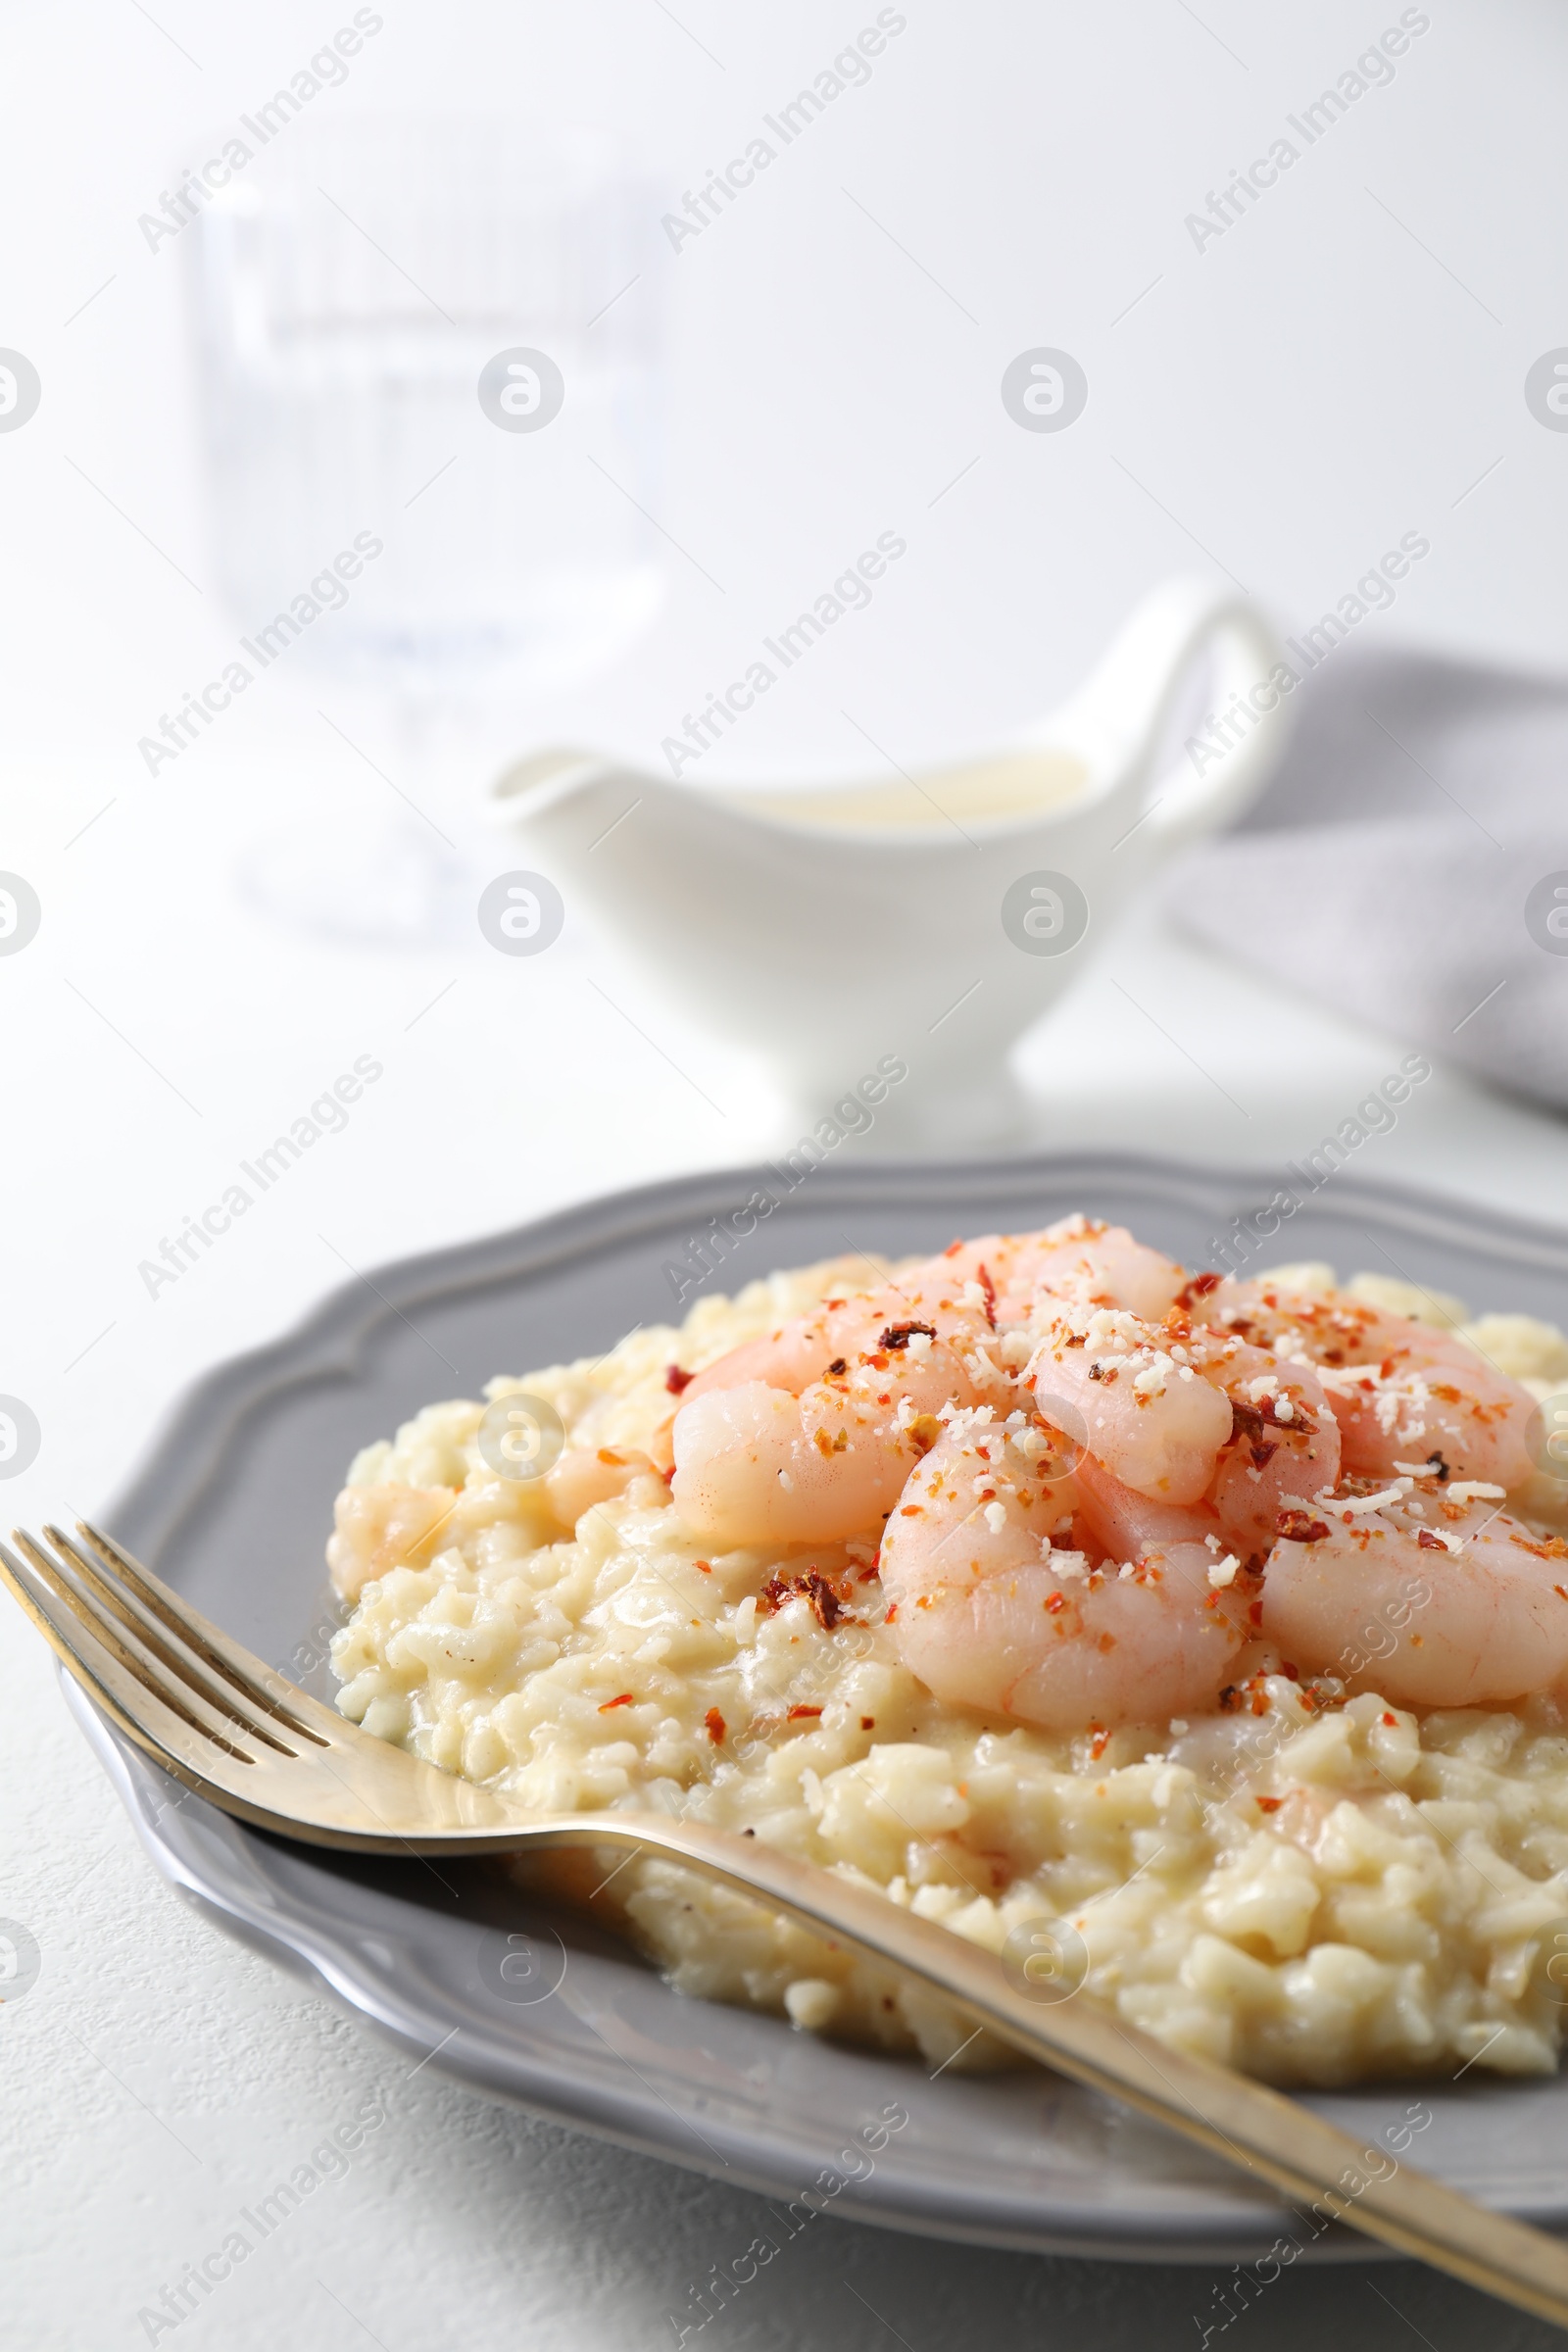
{"x":811,"y":1586}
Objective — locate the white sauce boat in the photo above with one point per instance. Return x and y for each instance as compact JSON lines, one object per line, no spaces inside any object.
{"x":831,"y":928}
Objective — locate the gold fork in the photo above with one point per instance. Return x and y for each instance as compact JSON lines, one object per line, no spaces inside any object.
{"x":249,"y":1740}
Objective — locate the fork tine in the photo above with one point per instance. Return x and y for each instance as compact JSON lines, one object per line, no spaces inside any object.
{"x":96,"y":1658}
{"x":138,"y":1622}
{"x":258,"y":1682}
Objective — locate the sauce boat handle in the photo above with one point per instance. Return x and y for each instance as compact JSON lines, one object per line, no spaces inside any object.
{"x":1120,"y":716}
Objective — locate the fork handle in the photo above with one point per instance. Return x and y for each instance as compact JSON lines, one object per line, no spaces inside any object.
{"x":1246,"y":2123}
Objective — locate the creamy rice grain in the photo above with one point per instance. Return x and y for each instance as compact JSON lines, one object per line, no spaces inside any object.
{"x":1311,"y":1894}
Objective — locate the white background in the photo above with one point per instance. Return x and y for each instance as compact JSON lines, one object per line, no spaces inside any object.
{"x":1344,"y":366}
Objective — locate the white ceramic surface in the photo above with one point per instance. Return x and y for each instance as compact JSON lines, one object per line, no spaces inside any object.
{"x":801,"y":928}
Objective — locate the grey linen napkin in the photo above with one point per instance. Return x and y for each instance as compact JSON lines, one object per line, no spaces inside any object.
{"x":1405,"y":861}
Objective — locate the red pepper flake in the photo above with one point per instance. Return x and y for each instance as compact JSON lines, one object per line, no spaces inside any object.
{"x":716,"y":1726}
{"x":1097,"y":1745}
{"x":1428,"y":1542}
{"x":1300,"y":1527}
{"x":624,"y":1700}
{"x":799,"y":1714}
{"x":983,"y":1276}
{"x":1553,"y":1549}
{"x":869,"y":1723}
{"x":813,"y":1587}
{"x":893,"y":1610}
{"x":910,"y":1510}
{"x":676,"y":1380}
{"x":837,"y":1366}
{"x":1255,"y":1612}
{"x":1291,"y":1674}
{"x":1393,"y":1721}
{"x":1055,"y":1601}
{"x":1198,"y":1286}
{"x":898,"y":1335}
{"x":706,"y":1566}
{"x":1268,"y":1804}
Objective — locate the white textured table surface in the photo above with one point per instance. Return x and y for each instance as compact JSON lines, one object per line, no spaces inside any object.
{"x":1293,"y":395}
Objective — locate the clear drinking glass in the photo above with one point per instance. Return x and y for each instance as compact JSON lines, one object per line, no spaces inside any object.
{"x":438,"y":338}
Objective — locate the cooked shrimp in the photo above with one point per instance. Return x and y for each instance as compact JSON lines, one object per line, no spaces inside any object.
{"x":1284,"y":1446}
{"x":864,"y":1368}
{"x":376,"y":1528}
{"x":1147,"y":1410}
{"x":756,"y":1463}
{"x":991,"y":1614}
{"x":1076,"y":1259}
{"x":1399,"y":1390}
{"x":800,"y":1351}
{"x":1123,"y":1524}
{"x":790,"y":1359}
{"x":1431,"y":1596}
{"x":1433,"y":1395}
{"x":585,"y":1475}
{"x":999,"y":1276}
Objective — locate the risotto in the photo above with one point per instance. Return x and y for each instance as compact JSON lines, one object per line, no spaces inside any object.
{"x":1308,"y":1876}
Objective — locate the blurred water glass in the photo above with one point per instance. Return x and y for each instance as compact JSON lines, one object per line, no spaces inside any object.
{"x":354,"y":284}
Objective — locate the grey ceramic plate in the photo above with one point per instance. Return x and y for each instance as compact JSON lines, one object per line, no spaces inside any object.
{"x":232,"y":1508}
